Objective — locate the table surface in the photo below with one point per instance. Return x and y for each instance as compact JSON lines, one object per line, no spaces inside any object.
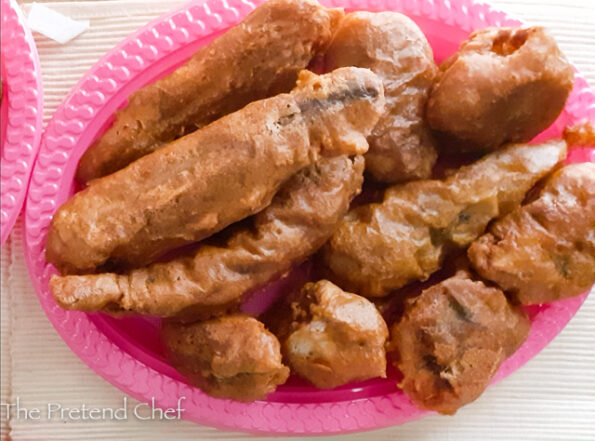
{"x":551,"y":398}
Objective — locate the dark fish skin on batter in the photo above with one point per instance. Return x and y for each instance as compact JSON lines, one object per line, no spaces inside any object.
{"x":545,"y":250}
{"x":301,"y":217}
{"x":381,"y":247}
{"x":218,"y":175}
{"x":259,"y":58}
{"x":452,"y":339}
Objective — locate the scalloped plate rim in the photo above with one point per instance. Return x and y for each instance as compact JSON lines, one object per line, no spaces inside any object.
{"x":36,"y":121}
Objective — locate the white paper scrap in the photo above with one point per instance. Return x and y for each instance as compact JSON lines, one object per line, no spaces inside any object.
{"x":54,"y":25}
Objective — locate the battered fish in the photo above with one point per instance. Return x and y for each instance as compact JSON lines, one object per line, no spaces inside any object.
{"x":215,"y":176}
{"x":381,"y":247}
{"x":503,"y":85}
{"x":229,"y":357}
{"x":331,"y":337}
{"x":452,"y":339}
{"x":256,"y":59}
{"x":393,"y":47}
{"x":300,"y":219}
{"x":581,"y":135}
{"x":545,"y":250}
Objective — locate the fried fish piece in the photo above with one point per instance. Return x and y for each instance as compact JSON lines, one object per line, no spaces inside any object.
{"x":215,"y":176}
{"x":452,"y":339}
{"x":331,"y":337}
{"x":545,"y":250}
{"x":581,"y":135}
{"x":393,"y":47}
{"x":302,"y":216}
{"x":228,"y":357}
{"x":516,"y":82}
{"x":259,"y":58}
{"x":381,"y":247}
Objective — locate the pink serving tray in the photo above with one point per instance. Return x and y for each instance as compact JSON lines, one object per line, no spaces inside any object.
{"x":21,"y":112}
{"x":126,"y":352}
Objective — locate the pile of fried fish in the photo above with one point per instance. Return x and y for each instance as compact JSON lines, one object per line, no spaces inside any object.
{"x":253,"y":152}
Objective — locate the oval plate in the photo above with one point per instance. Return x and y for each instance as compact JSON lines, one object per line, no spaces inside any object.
{"x":126,"y":351}
{"x":21,"y":113}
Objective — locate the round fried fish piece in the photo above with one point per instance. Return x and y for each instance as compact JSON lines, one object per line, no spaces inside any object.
{"x":503,"y":85}
{"x":392,"y":46}
{"x":545,"y":250}
{"x":452,"y":339}
{"x":331,"y":337}
{"x":259,"y":58}
{"x":229,"y":357}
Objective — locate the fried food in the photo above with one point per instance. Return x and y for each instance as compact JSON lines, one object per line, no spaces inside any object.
{"x":545,"y":250}
{"x":229,"y":357}
{"x":503,"y":85}
{"x":215,"y":176}
{"x":581,"y":135}
{"x":302,"y":216}
{"x":394,"y":48}
{"x":331,"y":337}
{"x":381,"y":247}
{"x":259,"y":58}
{"x":452,"y":339}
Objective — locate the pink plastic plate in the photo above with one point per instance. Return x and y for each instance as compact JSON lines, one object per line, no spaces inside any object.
{"x":126,"y":352}
{"x":21,"y":113}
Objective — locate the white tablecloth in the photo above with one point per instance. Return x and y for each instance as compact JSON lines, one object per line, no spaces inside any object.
{"x":551,"y":398}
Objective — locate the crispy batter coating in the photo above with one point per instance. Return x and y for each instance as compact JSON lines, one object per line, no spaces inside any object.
{"x":503,"y":85}
{"x":393,"y":47}
{"x":381,"y":247}
{"x":452,"y":339}
{"x":331,"y":337}
{"x":581,"y":135}
{"x":545,"y":250}
{"x":302,"y":216}
{"x":229,"y":357}
{"x":215,"y":176}
{"x":259,"y":58}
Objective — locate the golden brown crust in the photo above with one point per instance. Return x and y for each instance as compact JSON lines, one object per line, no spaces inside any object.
{"x":393,"y":47}
{"x":331,"y":337}
{"x":215,"y":176}
{"x":452,"y":339}
{"x":503,"y":85}
{"x":259,"y":58}
{"x":580,"y":135}
{"x":545,"y":250}
{"x":299,"y":220}
{"x":229,"y":357}
{"x":378,"y":248}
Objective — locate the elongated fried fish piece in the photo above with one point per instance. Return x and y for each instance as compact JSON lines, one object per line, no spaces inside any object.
{"x":215,"y":176}
{"x":300,"y":219}
{"x":382,"y":247}
{"x":452,"y":339}
{"x":393,"y":47}
{"x":545,"y":250}
{"x":330,"y":337}
{"x":228,"y":357}
{"x":259,"y":58}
